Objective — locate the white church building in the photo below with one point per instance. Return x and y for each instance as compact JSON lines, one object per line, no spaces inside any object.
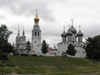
{"x":74,"y":38}
{"x":69,"y":37}
{"x":35,"y":44}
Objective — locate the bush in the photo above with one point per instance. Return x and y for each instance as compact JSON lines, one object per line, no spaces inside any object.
{"x":1,"y":65}
{"x":24,"y":54}
{"x":4,"y":56}
{"x":40,"y":55}
{"x":34,"y":55}
{"x":0,"y":54}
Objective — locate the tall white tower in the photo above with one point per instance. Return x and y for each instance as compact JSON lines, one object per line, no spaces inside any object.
{"x":36,"y":36}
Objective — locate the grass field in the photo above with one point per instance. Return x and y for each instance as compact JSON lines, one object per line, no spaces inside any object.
{"x":49,"y":66}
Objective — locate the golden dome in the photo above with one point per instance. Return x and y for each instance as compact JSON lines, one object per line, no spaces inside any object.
{"x":36,"y":19}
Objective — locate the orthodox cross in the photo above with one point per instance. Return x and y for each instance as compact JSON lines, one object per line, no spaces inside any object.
{"x":72,"y":21}
{"x":79,"y":27}
{"x":69,"y":25}
{"x":36,"y":11}
{"x":64,"y":28}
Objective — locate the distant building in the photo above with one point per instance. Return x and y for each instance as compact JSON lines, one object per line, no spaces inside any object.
{"x":70,"y":37}
{"x":36,"y":37}
{"x":52,"y":52}
{"x":21,"y":43}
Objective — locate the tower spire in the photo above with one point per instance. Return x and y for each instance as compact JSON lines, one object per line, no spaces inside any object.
{"x":23,"y":31}
{"x":18,"y":30}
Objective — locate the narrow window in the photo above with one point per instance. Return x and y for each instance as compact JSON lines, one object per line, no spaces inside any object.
{"x":35,"y":33}
{"x":38,"y":33}
{"x":35,"y":41}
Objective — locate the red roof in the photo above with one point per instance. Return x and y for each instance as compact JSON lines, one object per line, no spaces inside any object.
{"x":49,"y":49}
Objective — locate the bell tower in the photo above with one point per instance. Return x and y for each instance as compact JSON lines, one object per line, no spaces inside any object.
{"x":36,"y":36}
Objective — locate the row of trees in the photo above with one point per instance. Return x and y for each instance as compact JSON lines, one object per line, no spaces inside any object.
{"x":93,"y":48}
{"x":5,"y":46}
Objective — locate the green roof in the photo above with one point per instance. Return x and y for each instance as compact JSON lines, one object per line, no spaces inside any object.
{"x":36,"y":30}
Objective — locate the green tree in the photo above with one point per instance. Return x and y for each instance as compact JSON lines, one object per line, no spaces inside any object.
{"x":44,"y":47}
{"x":93,"y":48}
{"x":4,"y":35}
{"x":0,"y":54}
{"x":71,"y":50}
{"x":28,"y":46}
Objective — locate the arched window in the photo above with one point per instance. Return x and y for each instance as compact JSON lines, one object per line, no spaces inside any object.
{"x":35,"y":33}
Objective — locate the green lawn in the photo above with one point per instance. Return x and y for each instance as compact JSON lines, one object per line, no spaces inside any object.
{"x":48,"y":65}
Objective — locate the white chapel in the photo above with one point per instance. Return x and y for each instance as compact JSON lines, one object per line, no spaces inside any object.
{"x":74,"y":38}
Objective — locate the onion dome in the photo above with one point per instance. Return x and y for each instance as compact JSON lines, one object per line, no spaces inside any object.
{"x":79,"y":33}
{"x":69,"y":32}
{"x":63,"y":34}
{"x":36,"y":19}
{"x":73,"y":30}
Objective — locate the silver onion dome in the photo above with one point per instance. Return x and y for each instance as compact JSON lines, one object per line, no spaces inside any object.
{"x":73,"y":30}
{"x":79,"y":33}
{"x":69,"y":32}
{"x":63,"y":34}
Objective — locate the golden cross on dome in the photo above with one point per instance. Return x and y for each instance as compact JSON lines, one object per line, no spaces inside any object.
{"x":36,"y":11}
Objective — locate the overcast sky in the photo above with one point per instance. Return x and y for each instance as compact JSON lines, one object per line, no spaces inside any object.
{"x":53,"y":15}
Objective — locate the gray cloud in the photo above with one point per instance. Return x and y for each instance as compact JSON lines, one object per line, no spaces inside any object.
{"x":53,"y":14}
{"x":2,"y":17}
{"x":28,"y":8}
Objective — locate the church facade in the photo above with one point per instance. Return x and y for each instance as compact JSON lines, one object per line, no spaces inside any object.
{"x":74,"y":38}
{"x":21,"y":43}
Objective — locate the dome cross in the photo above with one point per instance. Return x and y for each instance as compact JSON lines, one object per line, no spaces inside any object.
{"x":64,"y":28}
{"x":79,"y":27}
{"x":72,"y":21}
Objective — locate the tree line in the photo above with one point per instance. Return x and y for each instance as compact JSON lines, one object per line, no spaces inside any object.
{"x":5,"y":46}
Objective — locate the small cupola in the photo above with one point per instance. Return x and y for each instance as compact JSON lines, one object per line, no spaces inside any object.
{"x":63,"y":34}
{"x":79,"y":33}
